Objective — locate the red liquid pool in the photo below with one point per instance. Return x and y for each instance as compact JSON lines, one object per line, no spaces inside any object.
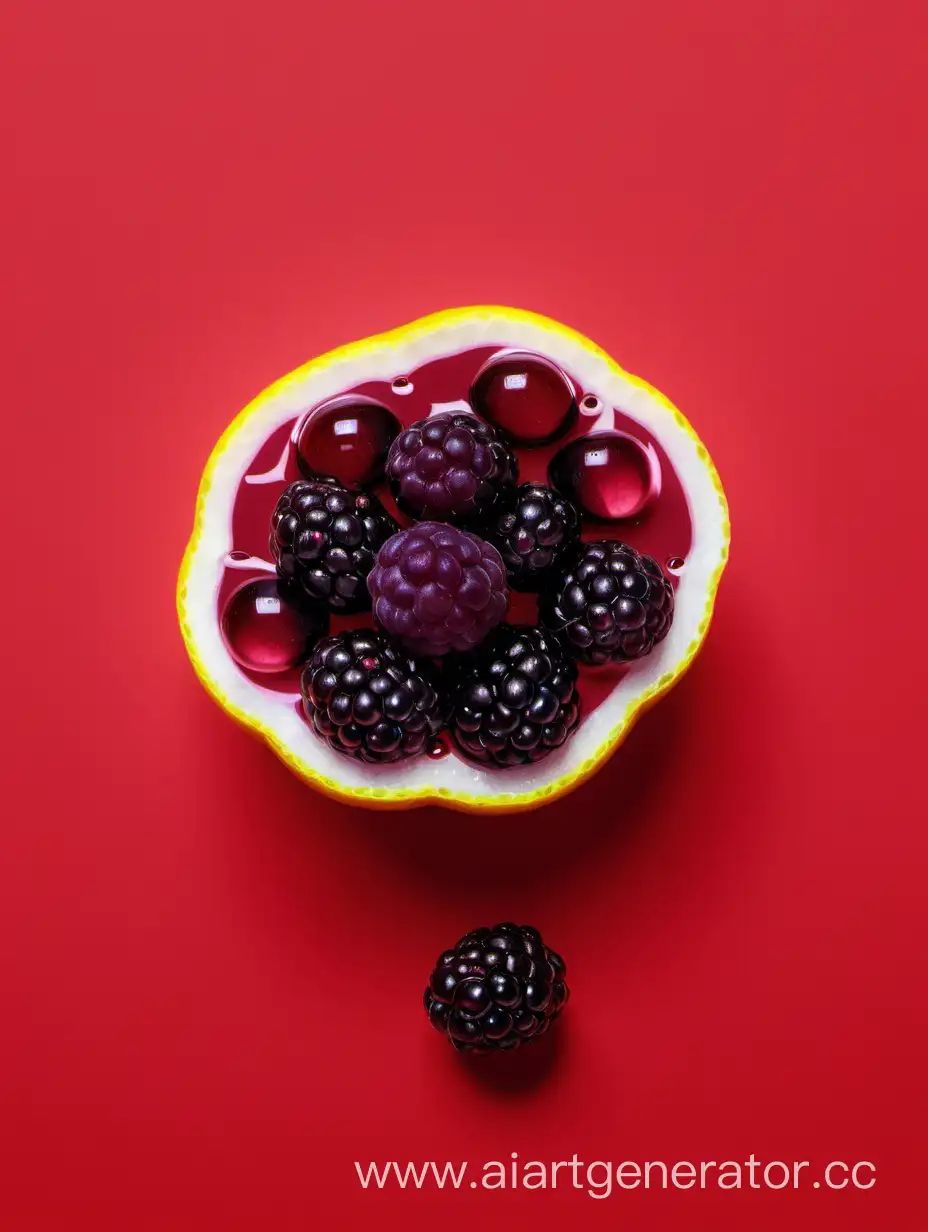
{"x":660,"y":526}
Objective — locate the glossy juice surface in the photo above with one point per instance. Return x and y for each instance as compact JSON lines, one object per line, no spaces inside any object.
{"x":662,"y":527}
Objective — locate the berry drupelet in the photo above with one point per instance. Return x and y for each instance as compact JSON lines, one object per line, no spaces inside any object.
{"x":324,"y":540}
{"x":533,"y":529}
{"x":368,"y":700}
{"x":496,"y":989}
{"x":515,"y":699}
{"x":610,"y":605}
{"x":450,"y":466}
{"x":437,"y":588}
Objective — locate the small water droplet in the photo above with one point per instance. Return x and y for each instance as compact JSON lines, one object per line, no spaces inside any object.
{"x":526,"y":395}
{"x":402,"y":385}
{"x":590,"y":405}
{"x":610,"y":475}
{"x":237,"y":559}
{"x":348,"y":437}
{"x":261,"y":632}
{"x":675,"y":564}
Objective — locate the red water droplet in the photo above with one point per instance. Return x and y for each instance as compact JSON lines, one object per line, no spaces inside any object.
{"x":348,"y":438}
{"x":609,"y":474}
{"x":527,"y":396}
{"x":439,"y":748}
{"x":261,"y":632}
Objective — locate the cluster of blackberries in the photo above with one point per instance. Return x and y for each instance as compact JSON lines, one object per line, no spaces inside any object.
{"x":440,"y":656}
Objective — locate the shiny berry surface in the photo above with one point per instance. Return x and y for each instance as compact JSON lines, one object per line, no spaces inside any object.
{"x":324,"y":539}
{"x":496,"y":989}
{"x":450,"y":467}
{"x":437,"y":588}
{"x":609,"y":475}
{"x":266,"y":634}
{"x":611,"y":604}
{"x":526,"y":396}
{"x":515,"y":700}
{"x":348,"y":438}
{"x":368,"y":700}
{"x":533,"y":529}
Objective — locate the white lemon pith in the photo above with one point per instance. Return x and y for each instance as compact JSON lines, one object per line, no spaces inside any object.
{"x":449,"y":781}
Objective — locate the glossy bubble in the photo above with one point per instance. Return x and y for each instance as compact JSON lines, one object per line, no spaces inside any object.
{"x":348,"y":438}
{"x":264,"y":633}
{"x":526,"y":396}
{"x":610,"y":475}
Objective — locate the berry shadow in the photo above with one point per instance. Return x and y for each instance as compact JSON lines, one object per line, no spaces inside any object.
{"x":540,"y":847}
{"x":520,"y":1071}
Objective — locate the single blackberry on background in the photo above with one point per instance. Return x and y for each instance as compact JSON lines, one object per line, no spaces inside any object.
{"x":533,"y":529}
{"x":368,"y":700}
{"x":515,"y":699}
{"x":437,"y":588}
{"x":496,"y":989}
{"x":450,"y":466}
{"x":324,"y":539}
{"x":610,"y":604}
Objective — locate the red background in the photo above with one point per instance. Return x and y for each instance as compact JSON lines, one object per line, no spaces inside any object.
{"x":211,"y":975}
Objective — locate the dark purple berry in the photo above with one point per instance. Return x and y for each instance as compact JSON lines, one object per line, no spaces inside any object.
{"x":534,"y":528}
{"x":450,"y":466}
{"x":437,"y":588}
{"x":610,"y":605}
{"x":366,"y":699}
{"x":514,"y":701}
{"x":324,"y":540}
{"x":483,"y":1010}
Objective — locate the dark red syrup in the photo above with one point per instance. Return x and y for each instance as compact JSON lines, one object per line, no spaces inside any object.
{"x":660,"y":524}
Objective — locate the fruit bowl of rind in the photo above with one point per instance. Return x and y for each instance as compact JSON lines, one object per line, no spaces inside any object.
{"x":453,"y":563}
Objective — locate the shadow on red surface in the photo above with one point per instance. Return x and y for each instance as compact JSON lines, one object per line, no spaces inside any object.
{"x":522,"y":1070}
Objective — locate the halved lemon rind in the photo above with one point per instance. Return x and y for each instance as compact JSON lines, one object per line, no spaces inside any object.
{"x":449,"y":781}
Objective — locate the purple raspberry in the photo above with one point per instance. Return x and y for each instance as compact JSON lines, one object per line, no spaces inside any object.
{"x":437,"y":588}
{"x":450,"y":466}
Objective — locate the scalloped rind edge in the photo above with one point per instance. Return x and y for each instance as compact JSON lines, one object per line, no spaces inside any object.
{"x":464,"y":801}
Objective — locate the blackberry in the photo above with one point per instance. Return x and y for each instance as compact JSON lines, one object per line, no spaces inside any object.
{"x":610,"y":605}
{"x":515,"y":700}
{"x":496,"y":989}
{"x":437,"y":588}
{"x":324,"y":539}
{"x":368,"y":700}
{"x":450,"y":466}
{"x":533,"y":530}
